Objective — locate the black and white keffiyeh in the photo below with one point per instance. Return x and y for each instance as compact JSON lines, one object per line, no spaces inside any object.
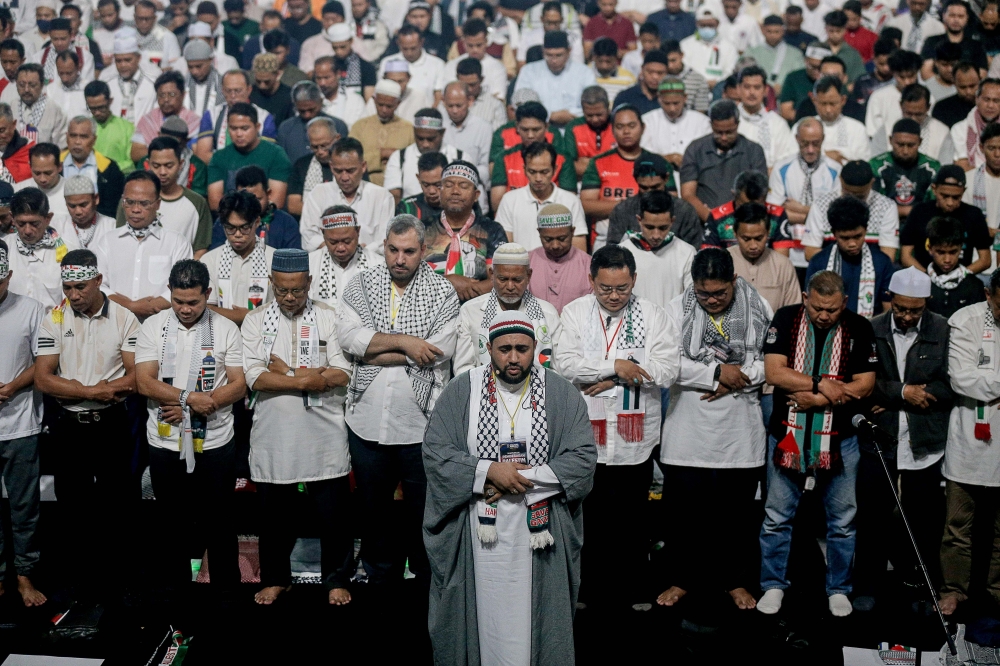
{"x":314,"y":177}
{"x":807,"y":184}
{"x":258,"y":257}
{"x":328,"y":276}
{"x":488,"y":432}
{"x":744,"y":324}
{"x":531,"y":308}
{"x":426,"y":306}
{"x":947,"y":281}
{"x":31,"y":116}
{"x":212,"y":91}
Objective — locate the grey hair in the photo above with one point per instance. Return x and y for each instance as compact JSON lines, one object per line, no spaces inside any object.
{"x":595,"y":95}
{"x":84,"y":119}
{"x":826,"y":283}
{"x":5,"y":112}
{"x":402,"y":224}
{"x":239,"y":72}
{"x":808,"y":122}
{"x":325,"y":121}
{"x":461,"y":85}
{"x":306,"y":91}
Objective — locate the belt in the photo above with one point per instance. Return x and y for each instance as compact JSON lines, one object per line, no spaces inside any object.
{"x":93,"y":415}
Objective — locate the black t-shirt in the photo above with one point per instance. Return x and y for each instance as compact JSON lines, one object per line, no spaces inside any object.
{"x":952,"y":109}
{"x":972,"y":50}
{"x":302,"y":32}
{"x":278,"y":105}
{"x":861,"y":358}
{"x":977,"y":235}
{"x":852,"y":109}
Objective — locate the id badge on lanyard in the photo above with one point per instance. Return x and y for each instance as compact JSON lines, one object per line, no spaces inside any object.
{"x":515,"y":450}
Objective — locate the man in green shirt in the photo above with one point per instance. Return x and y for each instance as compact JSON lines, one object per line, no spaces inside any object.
{"x":904,"y":174}
{"x":775,"y":56}
{"x":836,"y":27}
{"x":114,"y":134}
{"x":246,"y":149}
{"x":799,"y":83}
{"x":238,"y":28}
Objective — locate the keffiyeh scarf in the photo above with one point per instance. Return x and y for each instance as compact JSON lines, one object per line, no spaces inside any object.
{"x":629,"y":339}
{"x":314,"y":177}
{"x":129,"y":89}
{"x":947,"y":281}
{"x":489,"y":447}
{"x":29,"y":117}
{"x":86,"y":234}
{"x":974,"y":125}
{"x":916,"y":37}
{"x":426,"y":306}
{"x":643,"y":244}
{"x":866,"y":281}
{"x":258,"y":280}
{"x":327,"y":291}
{"x":761,"y":122}
{"x":794,"y":452}
{"x":201,"y":378}
{"x":213,"y":91}
{"x":807,"y":172}
{"x":454,"y":264}
{"x":139,"y":234}
{"x":50,"y":241}
{"x":743,"y":324}
{"x":306,"y":346}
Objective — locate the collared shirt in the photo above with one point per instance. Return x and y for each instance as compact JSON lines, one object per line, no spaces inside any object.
{"x":142,"y":102}
{"x":470,"y":349}
{"x":772,"y":275}
{"x":673,"y":25}
{"x":373,"y":204}
{"x":88,"y":169}
{"x":473,"y":138}
{"x":341,"y":275}
{"x":716,"y":173}
{"x":618,"y":81}
{"x":663,"y":273}
{"x":70,"y":100}
{"x":227,"y":351}
{"x":661,"y":360}
{"x":770,"y":131}
{"x":236,"y":289}
{"x":902,"y":341}
{"x":413,"y":100}
{"x":289,"y":442}
{"x":348,"y":106}
{"x":426,"y":73}
{"x":401,"y":169}
{"x":387,"y":412}
{"x":89,"y":348}
{"x":37,"y":275}
{"x":559,"y":281}
{"x":518,"y":214}
{"x":883,"y":109}
{"x":487,"y":107}
{"x":20,"y":328}
{"x":558,"y":92}
{"x":137,"y":269}
{"x":664,"y":136}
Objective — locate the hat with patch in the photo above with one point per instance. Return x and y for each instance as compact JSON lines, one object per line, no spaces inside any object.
{"x":290,"y":260}
{"x":338,"y":32}
{"x":511,"y":322}
{"x":78,"y":185}
{"x":511,"y":254}
{"x":554,"y":216}
{"x":911,"y":282}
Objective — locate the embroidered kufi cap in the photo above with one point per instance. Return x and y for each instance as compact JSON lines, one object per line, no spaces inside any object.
{"x":511,"y":254}
{"x":910,"y":282}
{"x":553,"y":216}
{"x":397,"y":66}
{"x":290,"y":260}
{"x":78,"y":185}
{"x":507,"y":322}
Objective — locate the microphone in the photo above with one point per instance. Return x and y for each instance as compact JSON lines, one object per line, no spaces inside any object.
{"x":859,"y":420}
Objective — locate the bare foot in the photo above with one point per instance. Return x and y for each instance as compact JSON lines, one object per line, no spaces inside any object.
{"x":29,"y":595}
{"x":268,"y":595}
{"x":948,"y":605}
{"x":744,"y":600}
{"x":339,"y":596}
{"x":671,"y":596}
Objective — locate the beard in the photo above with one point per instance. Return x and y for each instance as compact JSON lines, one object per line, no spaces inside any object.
{"x":504,"y":375}
{"x":509,"y":300}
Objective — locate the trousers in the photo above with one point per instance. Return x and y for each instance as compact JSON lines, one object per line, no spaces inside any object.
{"x":19,"y":464}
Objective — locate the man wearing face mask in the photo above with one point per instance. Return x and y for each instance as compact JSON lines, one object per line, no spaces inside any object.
{"x":706,"y":52}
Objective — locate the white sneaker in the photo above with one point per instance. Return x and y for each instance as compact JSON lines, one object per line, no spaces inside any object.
{"x":840,"y":605}
{"x":770,"y":603}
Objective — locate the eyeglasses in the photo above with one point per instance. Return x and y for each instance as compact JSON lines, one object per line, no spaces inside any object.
{"x":322,"y":146}
{"x":168,"y":95}
{"x":607,"y":290}
{"x":711,"y":295}
{"x":282,"y":292}
{"x":903,"y":312}
{"x":138,"y":203}
{"x":243,"y":229}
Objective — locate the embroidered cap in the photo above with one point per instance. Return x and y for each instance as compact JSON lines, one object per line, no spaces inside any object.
{"x":199,"y":29}
{"x":389,"y":88}
{"x":459,"y":170}
{"x":73,"y":273}
{"x":338,"y":32}
{"x":554,"y":216}
{"x":510,"y":322}
{"x":266,"y":63}
{"x":197,"y":49}
{"x":290,"y":260}
{"x":671,"y":85}
{"x":511,"y":254}
{"x":910,"y":282}
{"x":126,"y":44}
{"x":78,"y":185}
{"x":339,"y":220}
{"x":397,"y":66}
{"x":4,"y":261}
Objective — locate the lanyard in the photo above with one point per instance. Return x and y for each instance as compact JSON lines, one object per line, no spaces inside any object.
{"x":718,"y":325}
{"x":393,"y":306}
{"x":520,"y":399}
{"x":609,"y":343}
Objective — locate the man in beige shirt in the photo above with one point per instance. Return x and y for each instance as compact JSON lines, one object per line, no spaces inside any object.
{"x":383,"y":133}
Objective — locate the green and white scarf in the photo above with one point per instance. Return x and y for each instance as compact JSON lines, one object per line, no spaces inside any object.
{"x":866,"y":281}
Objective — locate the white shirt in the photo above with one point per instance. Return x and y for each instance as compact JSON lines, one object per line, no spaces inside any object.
{"x":727,"y":433}
{"x":518,"y":214}
{"x":883,"y":109}
{"x":387,"y":411}
{"x":64,"y":225}
{"x":494,"y":73}
{"x":57,"y":202}
{"x":142,"y":103}
{"x":662,"y":362}
{"x":427,"y":73}
{"x":883,"y":225}
{"x":788,"y":181}
{"x":341,"y":275}
{"x":289,"y":442}
{"x":195,"y":97}
{"x":812,"y":19}
{"x":470,"y":349}
{"x":86,"y":67}
{"x":235,"y":290}
{"x":714,"y":61}
{"x":558,"y":92}
{"x":473,"y":139}
{"x":137,"y":269}
{"x":667,"y":137}
{"x":743,"y":32}
{"x":171,"y":51}
{"x":20,"y":326}
{"x":181,"y":217}
{"x":37,"y":275}
{"x":348,"y":106}
{"x":404,"y":176}
{"x":904,"y":454}
{"x":373,"y":204}
{"x":72,"y":102}
{"x":848,"y":137}
{"x":663,"y":273}
{"x":770,"y":131}
{"x":992,"y":204}
{"x":227,"y":351}
{"x":487,"y":107}
{"x":536,"y":37}
{"x":929,"y":27}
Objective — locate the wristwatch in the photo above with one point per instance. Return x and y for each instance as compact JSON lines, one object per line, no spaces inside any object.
{"x":718,"y":372}
{"x":816,"y":380}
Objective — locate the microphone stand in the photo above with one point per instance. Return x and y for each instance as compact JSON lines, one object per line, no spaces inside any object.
{"x":878,"y":433}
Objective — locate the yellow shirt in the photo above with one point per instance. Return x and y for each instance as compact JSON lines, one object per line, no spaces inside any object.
{"x":375,"y":135}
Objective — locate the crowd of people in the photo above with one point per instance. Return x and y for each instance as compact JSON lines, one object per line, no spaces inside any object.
{"x":309,"y":248}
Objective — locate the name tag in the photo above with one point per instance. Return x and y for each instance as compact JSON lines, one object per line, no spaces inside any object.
{"x":515,"y":450}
